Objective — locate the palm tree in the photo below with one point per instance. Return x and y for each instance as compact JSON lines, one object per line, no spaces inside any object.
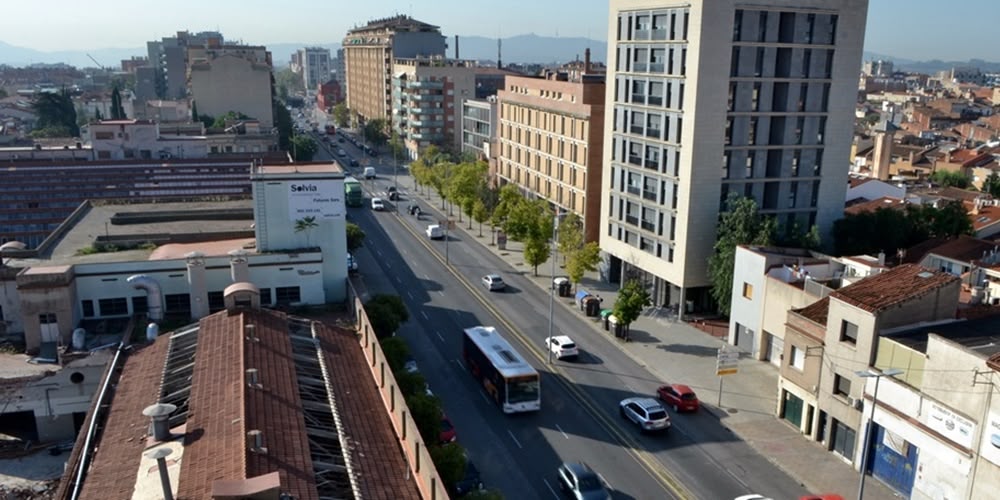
{"x":306,"y":224}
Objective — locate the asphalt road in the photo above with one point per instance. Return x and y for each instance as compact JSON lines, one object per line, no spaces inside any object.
{"x":697,"y":458}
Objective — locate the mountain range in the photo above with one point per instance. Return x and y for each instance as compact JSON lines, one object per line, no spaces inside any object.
{"x":529,"y":48}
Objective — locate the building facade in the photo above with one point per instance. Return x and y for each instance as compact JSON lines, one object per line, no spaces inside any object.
{"x":711,"y":98}
{"x":369,"y":55}
{"x":479,"y":125}
{"x":232,"y":78}
{"x":427,"y":95}
{"x":550,"y":137}
{"x":169,"y":58}
{"x":315,"y":62}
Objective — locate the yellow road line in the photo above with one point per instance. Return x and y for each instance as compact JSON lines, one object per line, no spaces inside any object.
{"x":643,"y":457}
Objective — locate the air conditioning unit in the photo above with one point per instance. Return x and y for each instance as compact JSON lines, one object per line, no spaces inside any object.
{"x":856,"y":403}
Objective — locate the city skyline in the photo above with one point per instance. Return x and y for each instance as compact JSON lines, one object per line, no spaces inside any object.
{"x":67,"y":27}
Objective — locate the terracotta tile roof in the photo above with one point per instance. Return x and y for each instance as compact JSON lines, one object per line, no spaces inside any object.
{"x":215,"y":446}
{"x":963,"y":249}
{"x":817,"y":311}
{"x":917,"y":252}
{"x":892,"y":287}
{"x":112,"y":471}
{"x":374,"y":445}
{"x":873,"y":205}
{"x":856,"y":181}
{"x":986,"y":217}
{"x":276,"y":408}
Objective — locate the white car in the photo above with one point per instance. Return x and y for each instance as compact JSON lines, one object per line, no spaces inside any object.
{"x":494,"y":282}
{"x":378,"y":204}
{"x":435,"y":232}
{"x":562,"y":347}
{"x":646,"y":413}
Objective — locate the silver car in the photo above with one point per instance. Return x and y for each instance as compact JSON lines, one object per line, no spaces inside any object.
{"x":646,"y":413}
{"x":493,"y":282}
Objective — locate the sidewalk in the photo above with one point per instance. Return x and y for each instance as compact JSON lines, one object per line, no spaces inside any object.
{"x":749,"y":398}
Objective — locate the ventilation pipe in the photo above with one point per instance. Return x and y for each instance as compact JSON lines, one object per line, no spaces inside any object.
{"x":154,"y":297}
{"x":152,"y":331}
{"x":160,"y":415}
{"x":196,"y":284}
{"x":456,"y":46}
{"x":586,"y":61}
{"x":239,"y":266}
{"x":79,"y":339}
{"x":160,"y":455}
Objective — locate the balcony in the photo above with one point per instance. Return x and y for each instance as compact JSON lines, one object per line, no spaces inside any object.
{"x":426,"y":136}
{"x":636,"y":129}
{"x":655,"y":101}
{"x":638,"y":99}
{"x":426,"y":111}
{"x":653,"y":132}
{"x":631,"y":219}
{"x":649,"y":195}
{"x":427,"y":123}
{"x":635,"y":160}
{"x":652,"y":164}
{"x":633,"y":189}
{"x":426,"y":85}
{"x":656,"y":67}
{"x":427,"y":97}
{"x":648,"y":226}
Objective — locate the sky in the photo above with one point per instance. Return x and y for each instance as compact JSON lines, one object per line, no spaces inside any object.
{"x":909,"y":29}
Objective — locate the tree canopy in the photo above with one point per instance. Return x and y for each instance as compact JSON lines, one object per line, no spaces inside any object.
{"x":376,"y":131}
{"x":341,"y":115}
{"x":950,"y":179}
{"x":632,"y":299}
{"x":888,"y":229}
{"x":741,"y":224}
{"x":56,"y":115}
{"x":386,"y":313}
{"x":355,"y":236}
{"x":303,"y":148}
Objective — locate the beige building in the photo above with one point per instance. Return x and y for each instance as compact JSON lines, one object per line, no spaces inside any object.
{"x":550,"y":135}
{"x":829,"y":341}
{"x":708,"y":98}
{"x":427,"y":95}
{"x":369,"y":54}
{"x":232,"y":78}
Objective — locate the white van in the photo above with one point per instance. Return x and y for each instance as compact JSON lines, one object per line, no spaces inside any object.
{"x":369,"y":172}
{"x":435,"y":232}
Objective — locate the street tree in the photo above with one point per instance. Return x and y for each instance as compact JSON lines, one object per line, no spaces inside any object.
{"x":583,"y":260}
{"x":440,"y":177}
{"x":341,"y":115}
{"x":303,"y":148}
{"x":282,"y":122}
{"x":410,"y":383}
{"x":569,"y":235}
{"x":395,"y":351}
{"x":386,"y":313}
{"x":466,"y":184}
{"x":947,"y":178}
{"x":480,"y":214}
{"x":117,"y":110}
{"x":426,"y":413}
{"x":376,"y":131}
{"x":56,"y":115}
{"x":508,"y":197}
{"x":449,"y":460}
{"x":355,"y":236}
{"x":741,"y":224}
{"x":229,"y":117}
{"x":306,"y":225}
{"x":537,"y":231}
{"x":992,"y":185}
{"x":632,"y":299}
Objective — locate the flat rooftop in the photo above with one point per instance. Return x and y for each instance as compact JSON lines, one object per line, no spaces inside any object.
{"x":979,"y":335}
{"x":198,"y":219}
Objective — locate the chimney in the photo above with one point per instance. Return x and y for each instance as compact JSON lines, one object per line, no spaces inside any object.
{"x":499,"y":62}
{"x":160,"y":455}
{"x":881,"y":258}
{"x":456,"y":46}
{"x":196,"y":284}
{"x":160,"y":414}
{"x":586,"y":61}
{"x":239,"y":266}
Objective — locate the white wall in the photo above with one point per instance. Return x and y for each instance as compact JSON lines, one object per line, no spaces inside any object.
{"x":875,"y":189}
{"x":231,"y":83}
{"x":11,"y":304}
{"x":750,"y":267}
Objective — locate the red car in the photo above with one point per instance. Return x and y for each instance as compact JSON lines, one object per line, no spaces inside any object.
{"x":678,"y":396}
{"x":448,"y":433}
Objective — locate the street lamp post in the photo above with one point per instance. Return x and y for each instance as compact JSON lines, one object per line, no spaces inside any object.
{"x":552,"y":282}
{"x":891,"y":372}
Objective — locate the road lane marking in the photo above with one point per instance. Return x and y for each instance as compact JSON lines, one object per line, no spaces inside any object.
{"x":439,"y":335}
{"x":379,"y":252}
{"x":562,"y":431}
{"x":605,"y":481}
{"x":398,"y":280}
{"x":613,"y":427}
{"x":440,"y":293}
{"x":518,"y":443}
{"x":388,"y":265}
{"x":410,"y":295}
{"x":483,"y":394}
{"x":549,"y":486}
{"x":424,"y":314}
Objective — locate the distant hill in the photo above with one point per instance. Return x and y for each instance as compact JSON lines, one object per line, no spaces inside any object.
{"x":516,"y":49}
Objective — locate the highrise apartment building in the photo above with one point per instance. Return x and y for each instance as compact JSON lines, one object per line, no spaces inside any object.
{"x":427,"y":95}
{"x":369,"y":54}
{"x":315,"y":63}
{"x":168,"y":57}
{"x":717,"y":97}
{"x":550,"y":138}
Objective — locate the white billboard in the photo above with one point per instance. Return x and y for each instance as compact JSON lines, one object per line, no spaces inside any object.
{"x":951,"y":425}
{"x":990,"y":449}
{"x":319,"y":199}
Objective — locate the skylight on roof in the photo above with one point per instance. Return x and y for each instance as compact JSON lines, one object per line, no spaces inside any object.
{"x":925,"y":274}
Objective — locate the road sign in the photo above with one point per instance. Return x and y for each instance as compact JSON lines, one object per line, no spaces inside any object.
{"x":727,"y":362}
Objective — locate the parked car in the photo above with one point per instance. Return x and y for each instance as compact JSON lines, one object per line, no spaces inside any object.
{"x":581,"y":482}
{"x":562,"y":347}
{"x":369,"y":172}
{"x":493,"y":282}
{"x":410,"y":365}
{"x":435,"y":232}
{"x":352,"y":265}
{"x":353,"y":162}
{"x":470,"y":481}
{"x":448,"y":433}
{"x":646,"y":413}
{"x":678,"y":396}
{"x":377,"y":204}
{"x":341,"y":153}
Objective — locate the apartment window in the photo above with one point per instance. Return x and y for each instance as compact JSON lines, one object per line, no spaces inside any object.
{"x":796,"y":157}
{"x":747,"y":291}
{"x":88,"y":308}
{"x":848,"y":332}
{"x":140,"y":304}
{"x":749,"y":169}
{"x":729,"y":132}
{"x":216,"y":301}
{"x":843,"y":438}
{"x":752,"y":131}
{"x":758,"y":65}
{"x":792,"y":195}
{"x":738,"y":26}
{"x":821,"y":130}
{"x":798,"y":360}
{"x":725,"y":165}
{"x":755,"y":97}
{"x":265,"y":296}
{"x":841,"y":385}
{"x":113,"y":307}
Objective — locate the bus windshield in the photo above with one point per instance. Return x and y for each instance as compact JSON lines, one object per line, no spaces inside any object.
{"x":522,"y":390}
